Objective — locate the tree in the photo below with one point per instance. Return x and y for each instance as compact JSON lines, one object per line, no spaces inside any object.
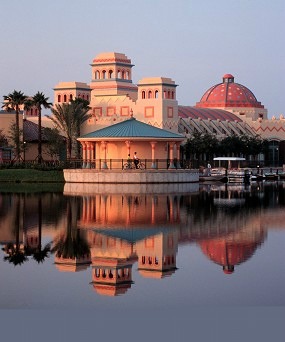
{"x":14,"y":101}
{"x":68,"y":118}
{"x":71,"y":245}
{"x":15,"y":254}
{"x":38,"y":101}
{"x":14,"y":135}
{"x":3,"y":139}
{"x":39,"y":253}
{"x":201,"y":144}
{"x":81,"y":109}
{"x":54,"y":142}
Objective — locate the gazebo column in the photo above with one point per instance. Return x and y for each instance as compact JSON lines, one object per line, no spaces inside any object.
{"x":84,"y":157}
{"x":128,"y":144}
{"x":171,"y":162}
{"x":178,"y":166}
{"x":88,"y":157}
{"x":104,"y":146}
{"x":153,"y":163}
{"x":93,"y":149}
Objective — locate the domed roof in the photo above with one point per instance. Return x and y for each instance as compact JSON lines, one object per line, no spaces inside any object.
{"x":228,"y":94}
{"x":228,"y":253}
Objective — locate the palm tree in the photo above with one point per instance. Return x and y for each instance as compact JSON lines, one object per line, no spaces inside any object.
{"x":39,"y":253}
{"x":81,"y":109}
{"x":15,"y":254}
{"x":63,"y":120}
{"x":14,"y":101}
{"x":72,"y":245}
{"x":40,"y":100}
{"x":68,"y":117}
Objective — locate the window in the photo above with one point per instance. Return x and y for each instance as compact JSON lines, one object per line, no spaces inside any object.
{"x":97,"y":75}
{"x":143,"y":94}
{"x":64,"y":98}
{"x":123,"y":74}
{"x":149,"y":94}
{"x":70,"y":97}
{"x":156,"y":94}
{"x":58,"y":98}
{"x":104,"y":74}
{"x":110,"y":73}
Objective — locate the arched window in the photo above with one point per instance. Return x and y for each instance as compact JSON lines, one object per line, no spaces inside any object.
{"x":110,"y":274}
{"x":97,"y":272}
{"x":110,"y":73}
{"x":143,"y":94}
{"x":149,"y":94}
{"x":70,"y":97}
{"x":164,"y":94}
{"x":150,"y":260}
{"x":64,"y":98}
{"x":97,"y":75}
{"x":168,"y":95}
{"x":143,"y":260}
{"x":58,"y":98}
{"x":104,"y":273}
{"x":156,"y":94}
{"x":127,"y":75}
{"x":104,"y":74}
{"x":87,"y":97}
{"x":123,"y":74}
{"x":172,"y":94}
{"x":119,"y":74}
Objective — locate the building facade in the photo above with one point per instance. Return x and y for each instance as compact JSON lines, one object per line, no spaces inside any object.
{"x":226,"y":108}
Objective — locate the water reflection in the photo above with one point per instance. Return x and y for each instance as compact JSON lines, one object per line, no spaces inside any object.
{"x":111,"y":232}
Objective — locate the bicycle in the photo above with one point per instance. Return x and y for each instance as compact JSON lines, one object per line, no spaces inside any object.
{"x":131,"y":166}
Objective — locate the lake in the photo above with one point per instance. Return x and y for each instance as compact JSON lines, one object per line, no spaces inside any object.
{"x":160,"y":247}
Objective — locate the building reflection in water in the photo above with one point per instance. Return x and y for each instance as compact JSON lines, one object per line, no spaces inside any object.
{"x":110,"y":233}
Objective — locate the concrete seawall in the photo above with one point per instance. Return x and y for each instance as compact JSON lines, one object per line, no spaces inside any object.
{"x":130,"y":176}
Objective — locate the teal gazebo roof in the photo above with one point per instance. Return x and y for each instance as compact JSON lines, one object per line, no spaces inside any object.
{"x":132,"y":128}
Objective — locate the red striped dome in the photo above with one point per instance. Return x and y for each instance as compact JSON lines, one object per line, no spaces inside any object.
{"x":228,"y":94}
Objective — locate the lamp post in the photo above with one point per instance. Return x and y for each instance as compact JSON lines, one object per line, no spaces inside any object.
{"x":25,"y":144}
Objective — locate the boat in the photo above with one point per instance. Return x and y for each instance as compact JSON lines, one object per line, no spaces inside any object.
{"x":271,"y":176}
{"x":234,"y":174}
{"x":213,"y":178}
{"x":257,"y":178}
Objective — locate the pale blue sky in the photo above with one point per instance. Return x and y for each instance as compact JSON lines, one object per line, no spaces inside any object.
{"x":193,"y":42}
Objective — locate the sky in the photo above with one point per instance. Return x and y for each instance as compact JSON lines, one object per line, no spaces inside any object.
{"x":193,"y":42}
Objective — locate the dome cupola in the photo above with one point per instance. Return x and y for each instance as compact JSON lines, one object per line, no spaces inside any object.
{"x":228,"y":94}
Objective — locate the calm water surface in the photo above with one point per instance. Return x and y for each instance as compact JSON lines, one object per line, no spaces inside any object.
{"x":156,"y":247}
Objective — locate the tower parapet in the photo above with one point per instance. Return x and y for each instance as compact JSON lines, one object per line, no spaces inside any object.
{"x":112,"y":75}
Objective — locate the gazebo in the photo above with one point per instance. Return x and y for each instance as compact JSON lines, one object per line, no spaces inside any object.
{"x":116,"y":142}
{"x":106,"y":150}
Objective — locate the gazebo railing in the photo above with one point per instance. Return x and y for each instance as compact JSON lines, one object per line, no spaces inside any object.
{"x":122,"y":164}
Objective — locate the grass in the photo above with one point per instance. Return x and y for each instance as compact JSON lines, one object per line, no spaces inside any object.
{"x":31,"y":176}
